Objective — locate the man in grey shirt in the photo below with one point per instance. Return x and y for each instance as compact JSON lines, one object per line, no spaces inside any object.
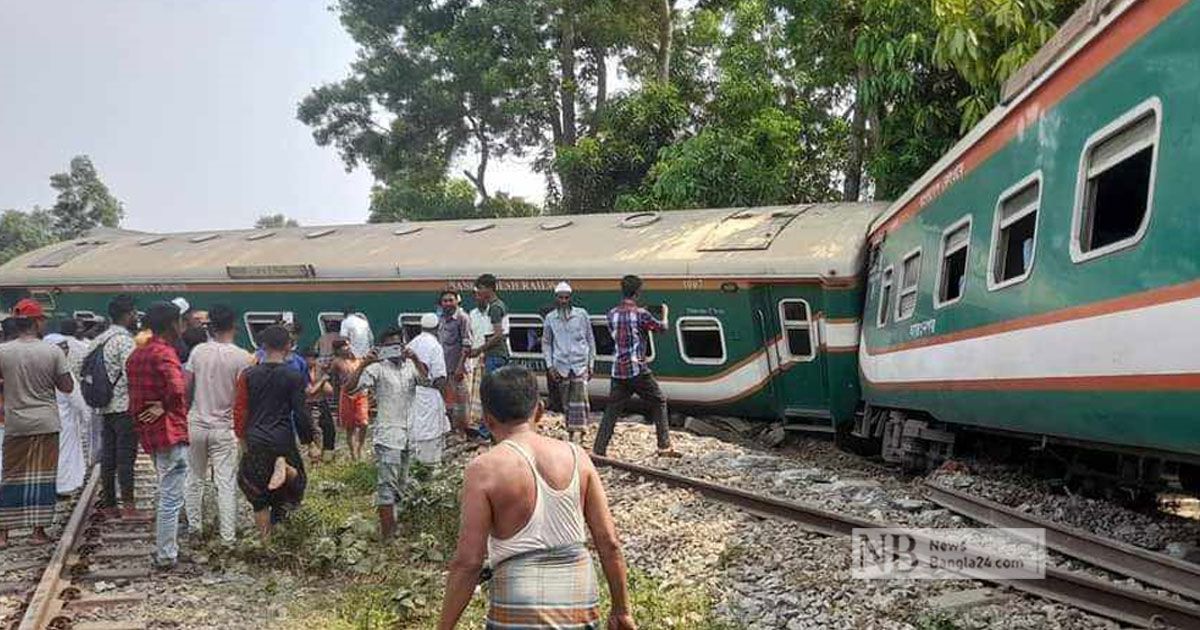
{"x":569,"y":348}
{"x":32,"y":371}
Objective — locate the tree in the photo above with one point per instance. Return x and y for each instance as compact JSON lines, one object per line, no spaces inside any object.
{"x":452,"y":199}
{"x":278,"y":220}
{"x":83,"y":202}
{"x":22,"y":232}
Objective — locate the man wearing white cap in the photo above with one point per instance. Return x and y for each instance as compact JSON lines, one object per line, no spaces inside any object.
{"x":569,"y":348}
{"x":429,"y":422}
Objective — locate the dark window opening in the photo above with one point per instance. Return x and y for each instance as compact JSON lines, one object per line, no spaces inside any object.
{"x":954,"y":275}
{"x":1117,"y":200}
{"x":525,"y":335}
{"x":331,"y":322}
{"x":258,"y":322}
{"x":1016,"y":248}
{"x":799,"y":342}
{"x":605,"y":346}
{"x":795,"y":311}
{"x":885,"y":296}
{"x":702,"y":340}
{"x":410,"y":326}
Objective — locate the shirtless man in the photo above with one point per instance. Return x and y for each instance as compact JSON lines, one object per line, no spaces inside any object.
{"x":353,"y":407}
{"x":542,"y":568}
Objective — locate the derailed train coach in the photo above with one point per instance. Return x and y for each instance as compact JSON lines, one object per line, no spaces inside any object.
{"x":763,"y":302}
{"x":1042,"y":280}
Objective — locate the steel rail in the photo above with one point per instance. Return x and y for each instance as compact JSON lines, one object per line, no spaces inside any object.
{"x":1146,"y":566}
{"x":1102,"y":598}
{"x":45,"y":602}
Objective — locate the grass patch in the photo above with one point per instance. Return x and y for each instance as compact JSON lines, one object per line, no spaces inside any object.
{"x":332,"y":539}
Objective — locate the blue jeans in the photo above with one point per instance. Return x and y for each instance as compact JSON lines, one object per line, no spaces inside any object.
{"x":492,"y":363}
{"x":172,"y":467}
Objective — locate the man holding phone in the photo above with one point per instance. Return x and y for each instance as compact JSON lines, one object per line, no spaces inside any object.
{"x":394,"y":373}
{"x":630,"y":373}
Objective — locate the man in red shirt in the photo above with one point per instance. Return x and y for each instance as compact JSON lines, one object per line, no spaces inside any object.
{"x":158,"y":401}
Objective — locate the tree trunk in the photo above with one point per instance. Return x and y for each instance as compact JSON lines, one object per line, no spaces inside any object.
{"x":852,"y":187}
{"x":569,"y":84}
{"x":663,"y":61}
{"x":598,"y":58}
{"x":485,"y":151}
{"x":568,"y":87}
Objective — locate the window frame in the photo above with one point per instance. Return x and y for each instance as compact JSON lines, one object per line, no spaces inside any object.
{"x":1112,"y":129}
{"x":86,"y":316}
{"x":1034,"y":178}
{"x":400,"y":322}
{"x":508,"y":339}
{"x":683,"y":356}
{"x":938,"y":302}
{"x":882,"y":314}
{"x":808,"y":325}
{"x":916,"y":287}
{"x":321,"y":320}
{"x":281,"y":317}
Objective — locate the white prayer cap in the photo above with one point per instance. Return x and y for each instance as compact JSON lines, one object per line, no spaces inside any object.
{"x":55,"y":339}
{"x":562,"y":287}
{"x":182,"y":305}
{"x":429,"y":321}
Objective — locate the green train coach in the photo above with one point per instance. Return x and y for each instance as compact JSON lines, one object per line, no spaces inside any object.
{"x":763,"y":302}
{"x":1043,"y":278}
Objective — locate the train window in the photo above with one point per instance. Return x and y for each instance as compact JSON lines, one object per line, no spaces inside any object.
{"x":1115,"y":184}
{"x":794,"y":318}
{"x":1015,"y":233}
{"x":701,"y":340}
{"x":525,"y":335}
{"x":329,"y":322}
{"x":87,"y":320}
{"x":606,"y":348}
{"x":910,"y":276}
{"x":885,"y":296}
{"x":952,"y":274}
{"x":410,"y":325}
{"x":258,"y":321}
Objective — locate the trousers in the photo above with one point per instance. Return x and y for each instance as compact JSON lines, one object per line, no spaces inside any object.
{"x":118,"y":449}
{"x":216,"y":448}
{"x":172,"y":466}
{"x":620,"y":391}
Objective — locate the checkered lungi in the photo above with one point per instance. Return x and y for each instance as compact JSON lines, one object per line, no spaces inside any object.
{"x":554,"y":588}
{"x":573,"y":391}
{"x":474,"y":405}
{"x":27,"y":484}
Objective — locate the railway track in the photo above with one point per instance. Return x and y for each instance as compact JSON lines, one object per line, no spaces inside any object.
{"x":1124,"y":604}
{"x":92,"y":549}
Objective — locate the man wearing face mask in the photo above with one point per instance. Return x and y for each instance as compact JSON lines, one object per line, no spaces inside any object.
{"x":394,"y":374}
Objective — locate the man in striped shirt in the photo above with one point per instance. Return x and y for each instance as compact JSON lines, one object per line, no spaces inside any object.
{"x":630,"y":373}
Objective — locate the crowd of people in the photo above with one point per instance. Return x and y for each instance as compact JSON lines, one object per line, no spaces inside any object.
{"x":173,"y":380}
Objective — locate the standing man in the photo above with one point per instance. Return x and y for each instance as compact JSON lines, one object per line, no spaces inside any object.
{"x":429,"y":424}
{"x":630,"y":373}
{"x":569,"y":347}
{"x":353,"y":407}
{"x":391,"y":372}
{"x":269,"y":395}
{"x":32,"y":371}
{"x":454,"y":333}
{"x":526,"y":504}
{"x":495,"y":344}
{"x":71,"y":465}
{"x":118,"y":440}
{"x":158,"y":399}
{"x":357,"y":330}
{"x":214,"y":367}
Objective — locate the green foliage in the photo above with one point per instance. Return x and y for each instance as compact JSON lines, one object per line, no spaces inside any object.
{"x":629,"y":134}
{"x":405,"y":200}
{"x":278,"y":220}
{"x":83,"y":202}
{"x":22,"y":232}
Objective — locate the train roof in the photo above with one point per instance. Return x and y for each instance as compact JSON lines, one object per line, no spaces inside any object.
{"x":1088,"y":21}
{"x":820,"y":241}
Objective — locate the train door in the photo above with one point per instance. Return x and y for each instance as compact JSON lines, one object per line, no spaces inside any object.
{"x":788,"y":332}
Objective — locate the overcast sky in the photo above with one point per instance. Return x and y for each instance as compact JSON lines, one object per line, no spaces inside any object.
{"x":187,"y":109}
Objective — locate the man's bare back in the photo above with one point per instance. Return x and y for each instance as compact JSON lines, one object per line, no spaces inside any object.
{"x":509,"y":484}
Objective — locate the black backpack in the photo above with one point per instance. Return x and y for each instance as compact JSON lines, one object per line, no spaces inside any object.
{"x":97,"y":389}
